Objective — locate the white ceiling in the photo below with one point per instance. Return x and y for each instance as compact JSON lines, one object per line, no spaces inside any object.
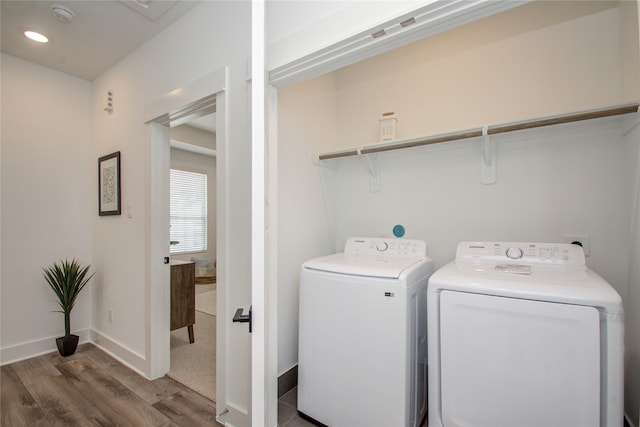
{"x":101,"y":33}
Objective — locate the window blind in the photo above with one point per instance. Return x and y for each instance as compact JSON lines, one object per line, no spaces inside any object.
{"x":188,"y":211}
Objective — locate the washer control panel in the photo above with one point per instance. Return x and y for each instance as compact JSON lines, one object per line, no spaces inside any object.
{"x":522,"y":252}
{"x":379,"y":246}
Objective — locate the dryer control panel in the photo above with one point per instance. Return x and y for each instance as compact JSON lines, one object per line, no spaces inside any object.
{"x":378,"y":246}
{"x":522,"y":252}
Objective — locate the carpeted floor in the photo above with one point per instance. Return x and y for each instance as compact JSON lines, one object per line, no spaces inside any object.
{"x":206,"y":302}
{"x":194,"y":365}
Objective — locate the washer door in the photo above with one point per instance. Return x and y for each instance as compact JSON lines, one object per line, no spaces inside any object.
{"x":510,"y":362}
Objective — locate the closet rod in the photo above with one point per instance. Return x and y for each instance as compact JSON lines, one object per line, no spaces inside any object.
{"x":336,"y":155}
{"x":408,"y":143}
{"x":472,"y":133}
{"x":491,"y":130}
{"x":564,"y":118}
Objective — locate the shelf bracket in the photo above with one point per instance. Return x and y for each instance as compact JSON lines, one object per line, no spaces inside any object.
{"x":372,"y":165}
{"x":488,"y":159}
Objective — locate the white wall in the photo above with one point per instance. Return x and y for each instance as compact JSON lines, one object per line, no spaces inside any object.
{"x":539,"y":59}
{"x":303,"y":205}
{"x":196,"y":45}
{"x":560,"y":62}
{"x":48,"y":201}
{"x":550,"y":182}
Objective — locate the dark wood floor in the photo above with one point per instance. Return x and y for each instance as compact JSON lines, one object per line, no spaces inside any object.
{"x":92,"y":388}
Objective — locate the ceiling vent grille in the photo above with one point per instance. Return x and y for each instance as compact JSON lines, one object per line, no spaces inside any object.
{"x":150,"y":9}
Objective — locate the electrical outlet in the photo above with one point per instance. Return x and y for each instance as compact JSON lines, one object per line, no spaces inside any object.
{"x":111,"y":315}
{"x":583,"y":239}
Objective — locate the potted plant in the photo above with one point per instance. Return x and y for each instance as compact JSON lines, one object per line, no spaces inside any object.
{"x":66,"y":279}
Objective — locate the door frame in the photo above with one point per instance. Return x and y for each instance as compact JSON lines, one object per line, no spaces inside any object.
{"x":264,"y":340}
{"x":177,"y":106}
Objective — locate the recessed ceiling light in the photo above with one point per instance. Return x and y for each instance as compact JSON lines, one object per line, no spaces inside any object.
{"x":37,"y":37}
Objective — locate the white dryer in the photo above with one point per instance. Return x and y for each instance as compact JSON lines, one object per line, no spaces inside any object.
{"x":363,"y":336}
{"x":523,"y":334}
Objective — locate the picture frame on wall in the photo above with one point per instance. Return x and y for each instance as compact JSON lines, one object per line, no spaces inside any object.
{"x":109,"y":185}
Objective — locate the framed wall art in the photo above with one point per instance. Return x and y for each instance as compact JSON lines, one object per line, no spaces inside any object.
{"x":109,"y":184}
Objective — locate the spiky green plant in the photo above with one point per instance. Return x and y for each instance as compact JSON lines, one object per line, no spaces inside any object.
{"x":66,"y":279}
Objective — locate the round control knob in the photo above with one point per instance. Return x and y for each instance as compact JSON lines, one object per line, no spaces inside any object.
{"x":382,"y":246}
{"x":514,"y":253}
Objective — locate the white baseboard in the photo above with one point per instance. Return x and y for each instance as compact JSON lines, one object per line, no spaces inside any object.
{"x":128,"y":357}
{"x":29,"y":349}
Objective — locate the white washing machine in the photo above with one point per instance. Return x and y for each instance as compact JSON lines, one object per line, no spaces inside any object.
{"x":363,"y":334}
{"x":523,"y":334}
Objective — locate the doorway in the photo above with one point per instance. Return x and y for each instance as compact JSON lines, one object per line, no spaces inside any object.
{"x":178,"y":107}
{"x":193,"y":240}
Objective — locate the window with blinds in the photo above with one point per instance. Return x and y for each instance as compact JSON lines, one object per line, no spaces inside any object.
{"x":188,"y":212}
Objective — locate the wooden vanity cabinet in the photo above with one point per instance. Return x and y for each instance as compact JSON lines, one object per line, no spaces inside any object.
{"x":183,"y":296}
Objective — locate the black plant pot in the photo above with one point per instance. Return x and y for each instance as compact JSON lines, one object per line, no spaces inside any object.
{"x":67,"y":345}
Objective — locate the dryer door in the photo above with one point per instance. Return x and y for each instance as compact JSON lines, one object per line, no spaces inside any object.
{"x":511,"y":362}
